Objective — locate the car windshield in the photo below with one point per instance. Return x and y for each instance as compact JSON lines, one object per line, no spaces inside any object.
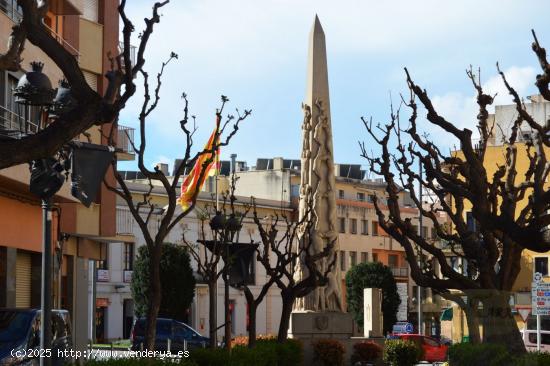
{"x":14,"y":325}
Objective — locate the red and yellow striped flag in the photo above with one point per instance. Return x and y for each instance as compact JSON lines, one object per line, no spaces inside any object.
{"x":194,"y":182}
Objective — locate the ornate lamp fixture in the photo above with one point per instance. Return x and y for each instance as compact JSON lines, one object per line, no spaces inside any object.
{"x":34,"y":88}
{"x":63,"y":101}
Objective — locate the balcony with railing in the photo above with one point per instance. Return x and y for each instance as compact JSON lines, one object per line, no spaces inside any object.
{"x":10,"y":8}
{"x":14,"y":125}
{"x":400,"y":271}
{"x":59,"y":38}
{"x":124,"y":147}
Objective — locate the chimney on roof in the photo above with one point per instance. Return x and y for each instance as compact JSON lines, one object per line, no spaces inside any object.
{"x":234,"y":167}
{"x":163,"y":167}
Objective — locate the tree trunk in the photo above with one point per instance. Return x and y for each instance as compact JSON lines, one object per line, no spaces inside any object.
{"x":472,"y":319}
{"x":212,"y":310}
{"x":499,"y":325}
{"x":251,"y":324}
{"x":288,"y":303}
{"x":154,"y":298}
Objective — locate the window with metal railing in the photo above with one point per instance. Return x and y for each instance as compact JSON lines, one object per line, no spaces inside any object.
{"x":11,"y":9}
{"x":15,"y":117}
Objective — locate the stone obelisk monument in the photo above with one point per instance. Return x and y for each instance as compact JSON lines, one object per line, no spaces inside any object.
{"x":321,"y":311}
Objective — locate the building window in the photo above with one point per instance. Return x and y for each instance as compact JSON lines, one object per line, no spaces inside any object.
{"x":364,"y":257}
{"x":353,"y":258}
{"x":364,"y":227}
{"x":375,"y":228}
{"x":360,"y":196}
{"x":128,"y":256}
{"x":102,"y":263}
{"x":393,"y":261}
{"x":424,"y":232}
{"x":353,"y":226}
{"x":375,"y":257}
{"x":342,"y":260}
{"x":342,"y":224}
{"x":541,"y":265}
{"x":341,"y":193}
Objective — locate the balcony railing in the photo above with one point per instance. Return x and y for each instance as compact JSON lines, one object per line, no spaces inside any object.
{"x":124,"y":221}
{"x":59,"y":38}
{"x":400,"y":271}
{"x":125,"y":137}
{"x":11,"y":121}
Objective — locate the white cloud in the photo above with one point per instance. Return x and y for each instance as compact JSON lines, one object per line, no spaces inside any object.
{"x":462,"y":109}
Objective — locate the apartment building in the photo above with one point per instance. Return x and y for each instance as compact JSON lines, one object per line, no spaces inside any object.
{"x":89,"y":30}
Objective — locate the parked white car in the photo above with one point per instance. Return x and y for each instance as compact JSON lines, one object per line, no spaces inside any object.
{"x":530,"y":340}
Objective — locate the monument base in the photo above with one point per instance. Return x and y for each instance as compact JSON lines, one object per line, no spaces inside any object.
{"x":310,"y":326}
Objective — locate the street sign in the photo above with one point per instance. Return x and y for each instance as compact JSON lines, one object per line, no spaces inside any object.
{"x":402,"y":327}
{"x":540,"y":298}
{"x":524,"y":313}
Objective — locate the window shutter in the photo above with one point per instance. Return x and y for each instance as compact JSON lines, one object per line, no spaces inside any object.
{"x":23,"y":280}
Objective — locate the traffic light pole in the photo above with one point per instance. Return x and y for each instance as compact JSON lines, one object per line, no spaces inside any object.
{"x":46,"y":293}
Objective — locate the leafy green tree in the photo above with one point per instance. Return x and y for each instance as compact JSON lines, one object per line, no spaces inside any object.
{"x":372,"y":275}
{"x":177,"y":282}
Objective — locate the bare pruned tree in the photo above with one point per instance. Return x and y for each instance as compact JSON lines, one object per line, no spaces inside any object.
{"x":142,"y":210}
{"x":495,"y":209}
{"x":90,"y":107}
{"x":289,"y":248}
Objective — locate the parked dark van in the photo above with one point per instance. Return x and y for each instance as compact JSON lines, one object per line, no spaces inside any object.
{"x":179,"y":334}
{"x":20,"y":337}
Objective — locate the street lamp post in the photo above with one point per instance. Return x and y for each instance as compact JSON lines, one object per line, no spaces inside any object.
{"x":236,"y":257}
{"x":35,"y":89}
{"x":89,"y":163}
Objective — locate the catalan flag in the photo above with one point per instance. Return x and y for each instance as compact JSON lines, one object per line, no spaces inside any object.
{"x":194,"y":182}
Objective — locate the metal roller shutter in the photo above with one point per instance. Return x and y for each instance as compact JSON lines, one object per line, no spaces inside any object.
{"x":23,"y":280}
{"x":91,"y":79}
{"x":90,"y":10}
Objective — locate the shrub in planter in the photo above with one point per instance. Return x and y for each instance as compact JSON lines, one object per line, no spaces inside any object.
{"x":365,"y":352}
{"x":484,"y":354}
{"x":290,"y":353}
{"x":328,"y":352}
{"x":533,"y":359}
{"x":398,"y":352}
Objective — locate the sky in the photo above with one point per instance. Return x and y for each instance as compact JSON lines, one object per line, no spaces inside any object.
{"x":255,"y":52}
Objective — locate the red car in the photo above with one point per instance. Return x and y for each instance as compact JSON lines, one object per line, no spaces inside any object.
{"x":433,"y":350}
